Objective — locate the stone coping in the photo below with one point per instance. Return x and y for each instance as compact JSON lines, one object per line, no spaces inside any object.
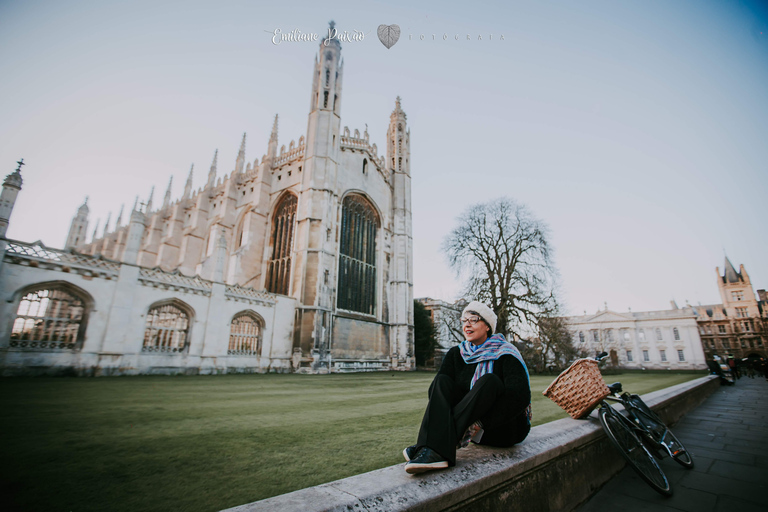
{"x":485,"y":473}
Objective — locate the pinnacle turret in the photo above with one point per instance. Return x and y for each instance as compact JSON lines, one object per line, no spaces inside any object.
{"x":77,"y":228}
{"x":188,"y":185}
{"x":84,"y":207}
{"x":95,"y":231}
{"x":119,"y":221}
{"x":11,"y":188}
{"x":14,"y":179}
{"x":167,"y":198}
{"x":240,"y":157}
{"x":106,"y":224}
{"x":272,"y":148}
{"x":149,"y":201}
{"x":212,"y":172}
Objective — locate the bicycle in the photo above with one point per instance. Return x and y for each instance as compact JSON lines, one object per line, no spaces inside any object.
{"x":641,"y":436}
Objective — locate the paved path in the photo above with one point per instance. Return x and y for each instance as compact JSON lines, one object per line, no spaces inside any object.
{"x":728,"y":436}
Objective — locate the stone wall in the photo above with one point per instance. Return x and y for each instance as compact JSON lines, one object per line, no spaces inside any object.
{"x":117,"y":299}
{"x":559,"y":466}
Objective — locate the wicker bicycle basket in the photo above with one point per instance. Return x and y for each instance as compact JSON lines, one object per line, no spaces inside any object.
{"x":578,"y":389}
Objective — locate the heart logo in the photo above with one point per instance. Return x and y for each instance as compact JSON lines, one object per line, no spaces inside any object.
{"x":388,"y":35}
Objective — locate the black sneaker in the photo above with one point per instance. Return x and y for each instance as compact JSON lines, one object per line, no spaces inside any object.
{"x":410,"y":452}
{"x":426,"y":460}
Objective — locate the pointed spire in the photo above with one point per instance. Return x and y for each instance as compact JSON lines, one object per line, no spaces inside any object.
{"x":240,"y":157}
{"x":95,"y":231}
{"x":119,"y":221}
{"x":167,"y":198}
{"x":84,"y":207}
{"x":135,"y":204}
{"x":14,"y":179}
{"x":188,"y":186}
{"x":149,"y":201}
{"x":272,"y":148}
{"x":273,"y":136}
{"x":212,"y":172}
{"x":730,"y":276}
{"x":106,"y":224}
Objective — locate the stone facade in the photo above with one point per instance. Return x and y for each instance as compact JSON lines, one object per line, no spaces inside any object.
{"x":738,"y":327}
{"x":445,"y":317}
{"x":318,"y":234}
{"x":667,"y":339}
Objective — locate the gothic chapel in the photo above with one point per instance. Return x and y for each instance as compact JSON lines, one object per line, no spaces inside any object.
{"x":299,"y":262}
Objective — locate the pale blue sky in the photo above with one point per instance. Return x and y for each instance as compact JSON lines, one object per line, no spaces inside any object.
{"x":635,"y":130}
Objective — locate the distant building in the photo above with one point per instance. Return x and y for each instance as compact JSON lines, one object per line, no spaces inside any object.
{"x":445,"y":317}
{"x":738,"y":327}
{"x":667,"y":339}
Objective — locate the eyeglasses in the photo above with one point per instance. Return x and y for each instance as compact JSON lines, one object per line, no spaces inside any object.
{"x":472,"y":320}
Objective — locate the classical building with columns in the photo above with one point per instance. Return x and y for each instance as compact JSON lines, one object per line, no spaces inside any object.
{"x":300,"y":261}
{"x":665,"y":339}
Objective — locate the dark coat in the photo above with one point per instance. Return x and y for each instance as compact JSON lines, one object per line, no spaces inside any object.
{"x":507,"y":423}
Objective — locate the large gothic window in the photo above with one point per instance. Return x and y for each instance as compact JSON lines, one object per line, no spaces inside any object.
{"x":167,"y":328}
{"x":49,"y":318}
{"x":245,"y":335}
{"x":357,"y":258}
{"x":279,"y":265}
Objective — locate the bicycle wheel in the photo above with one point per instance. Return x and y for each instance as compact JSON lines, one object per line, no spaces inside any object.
{"x":659,"y":432}
{"x":633,"y":450}
{"x":677,"y":450}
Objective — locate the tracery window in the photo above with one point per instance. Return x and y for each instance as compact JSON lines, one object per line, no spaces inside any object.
{"x":167,"y":328}
{"x":49,"y":318}
{"x":357,"y":258}
{"x":279,"y":266}
{"x":245,"y":335}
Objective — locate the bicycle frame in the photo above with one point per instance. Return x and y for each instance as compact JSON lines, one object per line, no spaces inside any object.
{"x":651,"y":428}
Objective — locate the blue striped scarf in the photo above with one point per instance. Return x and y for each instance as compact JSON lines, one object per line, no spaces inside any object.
{"x":487,"y":353}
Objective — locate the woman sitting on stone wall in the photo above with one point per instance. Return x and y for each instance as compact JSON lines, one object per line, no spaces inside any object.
{"x":481,"y":394}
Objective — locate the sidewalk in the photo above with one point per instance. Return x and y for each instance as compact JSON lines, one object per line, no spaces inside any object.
{"x":728,"y":437}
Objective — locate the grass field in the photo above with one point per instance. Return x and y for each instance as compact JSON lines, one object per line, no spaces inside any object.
{"x":206,"y":443}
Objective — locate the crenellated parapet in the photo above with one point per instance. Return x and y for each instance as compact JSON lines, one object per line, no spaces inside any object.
{"x":39,"y":256}
{"x":293,"y":153}
{"x":174,"y":281}
{"x":354,"y":142}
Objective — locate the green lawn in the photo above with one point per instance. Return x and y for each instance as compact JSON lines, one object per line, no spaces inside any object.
{"x":206,"y":443}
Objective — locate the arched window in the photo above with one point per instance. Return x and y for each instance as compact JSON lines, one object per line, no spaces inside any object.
{"x":279,"y":266}
{"x":167,"y":327}
{"x":245,"y":334}
{"x":357,"y":258}
{"x":658,"y":334}
{"x":49,"y":317}
{"x":365,"y":165}
{"x":676,"y":334}
{"x":581,"y":337}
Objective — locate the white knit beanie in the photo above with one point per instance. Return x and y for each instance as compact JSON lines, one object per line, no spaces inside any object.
{"x":484,"y":311}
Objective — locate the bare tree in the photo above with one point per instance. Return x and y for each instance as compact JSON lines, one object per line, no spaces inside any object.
{"x":504,"y":253}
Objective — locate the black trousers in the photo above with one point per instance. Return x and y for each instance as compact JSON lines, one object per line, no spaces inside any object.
{"x":446,"y":419}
